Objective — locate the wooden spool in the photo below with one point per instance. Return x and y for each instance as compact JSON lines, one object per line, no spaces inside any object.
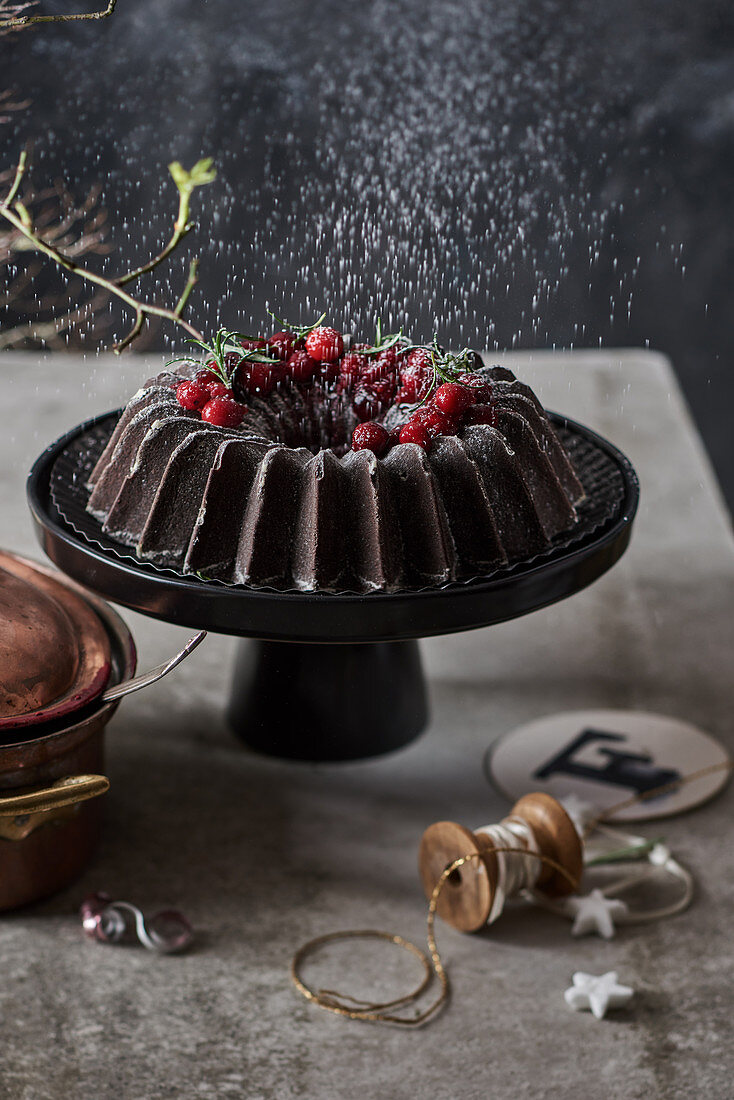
{"x":466,"y":899}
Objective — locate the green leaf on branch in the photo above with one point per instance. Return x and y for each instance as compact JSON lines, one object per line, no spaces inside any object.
{"x":24,"y":215}
{"x":202,"y":173}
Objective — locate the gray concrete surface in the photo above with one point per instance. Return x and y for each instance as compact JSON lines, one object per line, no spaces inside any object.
{"x":262,"y":855}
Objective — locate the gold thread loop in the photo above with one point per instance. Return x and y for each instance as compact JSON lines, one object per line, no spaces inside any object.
{"x":376,"y":1011}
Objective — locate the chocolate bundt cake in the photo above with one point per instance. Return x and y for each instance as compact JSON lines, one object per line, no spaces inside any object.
{"x":281,"y":480}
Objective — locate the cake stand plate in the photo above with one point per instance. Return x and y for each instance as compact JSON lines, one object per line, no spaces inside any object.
{"x":330,"y":676}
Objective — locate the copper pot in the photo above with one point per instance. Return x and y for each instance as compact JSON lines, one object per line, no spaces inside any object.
{"x":50,"y":775}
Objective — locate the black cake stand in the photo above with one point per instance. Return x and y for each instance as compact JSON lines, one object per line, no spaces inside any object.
{"x":328,"y":676}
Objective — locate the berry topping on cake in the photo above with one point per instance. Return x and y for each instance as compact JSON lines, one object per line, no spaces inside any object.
{"x":434,"y":420}
{"x":206,"y":375}
{"x":282,"y":344}
{"x":453,"y":399}
{"x":218,"y":389}
{"x":481,"y":414}
{"x":482,"y":386}
{"x":445,"y":389}
{"x":253,"y":377}
{"x":371,"y":437}
{"x":224,"y":412}
{"x":325,"y":343}
{"x":301,"y":367}
{"x":350,"y":368}
{"x":192,"y":395}
{"x":415,"y":432}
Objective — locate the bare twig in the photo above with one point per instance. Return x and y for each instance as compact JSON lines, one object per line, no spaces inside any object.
{"x":17,"y":214}
{"x":17,"y":22}
{"x":186,"y":182}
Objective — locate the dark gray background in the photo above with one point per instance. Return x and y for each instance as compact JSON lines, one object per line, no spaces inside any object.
{"x":512,"y":174}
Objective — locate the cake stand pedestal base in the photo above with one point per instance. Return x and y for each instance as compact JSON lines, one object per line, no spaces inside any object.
{"x":327,"y":702}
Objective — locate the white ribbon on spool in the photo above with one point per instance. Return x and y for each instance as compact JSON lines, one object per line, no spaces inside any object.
{"x":515,"y":872}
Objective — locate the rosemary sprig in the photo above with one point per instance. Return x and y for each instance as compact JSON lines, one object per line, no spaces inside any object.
{"x":225,"y":342}
{"x":382,"y":343}
{"x":447,"y":366}
{"x":300,"y":331}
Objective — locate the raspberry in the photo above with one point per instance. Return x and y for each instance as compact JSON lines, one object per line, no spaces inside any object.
{"x":482,"y":387}
{"x":371,"y":398}
{"x":413,"y":432}
{"x":283,"y":344}
{"x":301,"y":367}
{"x":351,"y":367}
{"x":453,"y":398}
{"x":224,"y":412}
{"x":328,"y":372}
{"x":481,"y":414}
{"x":365,"y":403}
{"x":387,"y":360}
{"x":382,"y":366}
{"x":371,"y":437}
{"x":416,"y":374}
{"x":192,"y":395}
{"x":325,"y":343}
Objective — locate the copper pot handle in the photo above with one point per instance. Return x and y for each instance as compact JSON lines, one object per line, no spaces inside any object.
{"x":127,"y":687}
{"x":27,"y":811}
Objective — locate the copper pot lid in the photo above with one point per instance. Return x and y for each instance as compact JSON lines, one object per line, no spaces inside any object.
{"x":54,"y":650}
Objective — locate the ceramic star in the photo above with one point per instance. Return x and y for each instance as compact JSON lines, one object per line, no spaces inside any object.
{"x":594,"y":913}
{"x":597,"y":993}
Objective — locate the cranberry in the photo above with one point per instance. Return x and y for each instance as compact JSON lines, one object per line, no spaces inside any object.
{"x":371,"y":437}
{"x":481,"y":414}
{"x":231,"y":360}
{"x":258,"y":378}
{"x":413,"y":432}
{"x":453,"y":398}
{"x":192,"y":395}
{"x":224,"y":412}
{"x":482,"y":386}
{"x":435,"y":421}
{"x":325,"y":343}
{"x":204,"y":375}
{"x":218,"y":389}
{"x":282,"y":344}
{"x":301,"y":366}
